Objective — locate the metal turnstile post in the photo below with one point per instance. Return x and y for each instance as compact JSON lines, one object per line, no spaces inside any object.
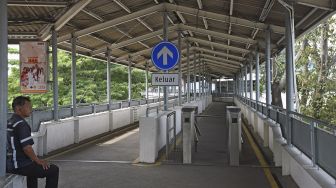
{"x":233,"y":118}
{"x":188,"y":134}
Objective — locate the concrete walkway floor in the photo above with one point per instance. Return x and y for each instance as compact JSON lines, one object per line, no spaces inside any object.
{"x":112,"y":163}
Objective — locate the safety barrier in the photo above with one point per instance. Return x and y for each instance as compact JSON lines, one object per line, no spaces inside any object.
{"x":170,"y":128}
{"x":40,"y":115}
{"x":154,"y":128}
{"x":314,"y":138}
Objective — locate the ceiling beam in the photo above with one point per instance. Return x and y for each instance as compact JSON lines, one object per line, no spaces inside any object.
{"x":93,"y":15}
{"x":219,"y":69}
{"x":321,"y":4}
{"x":171,"y":28}
{"x":222,"y":54}
{"x":230,"y":25}
{"x":101,"y":57}
{"x":310,"y":13}
{"x":37,"y":4}
{"x":217,"y":34}
{"x":111,"y":23}
{"x":218,"y":45}
{"x":71,"y":12}
{"x":97,"y":17}
{"x":148,"y":11}
{"x":221,"y":63}
{"x":223,"y":18}
{"x":263,"y":15}
{"x":64,"y":18}
{"x":229,"y":62}
{"x":222,"y":66}
{"x":215,"y":68}
{"x":123,"y":6}
{"x":183,"y":51}
{"x":205,"y":22}
{"x":181,"y":17}
{"x":222,"y":74}
{"x":132,"y":40}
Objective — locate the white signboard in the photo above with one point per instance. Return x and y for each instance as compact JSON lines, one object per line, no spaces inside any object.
{"x":33,"y":67}
{"x":164,"y":79}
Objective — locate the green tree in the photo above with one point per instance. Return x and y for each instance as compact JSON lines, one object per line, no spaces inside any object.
{"x":91,"y":82}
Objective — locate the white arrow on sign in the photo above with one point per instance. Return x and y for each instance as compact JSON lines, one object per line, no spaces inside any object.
{"x":165,"y":52}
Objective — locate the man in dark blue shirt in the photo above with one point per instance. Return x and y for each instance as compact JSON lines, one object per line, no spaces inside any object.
{"x":21,"y":158}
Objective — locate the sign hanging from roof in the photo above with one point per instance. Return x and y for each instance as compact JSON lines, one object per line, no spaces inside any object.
{"x":165,"y":55}
{"x":33,"y":67}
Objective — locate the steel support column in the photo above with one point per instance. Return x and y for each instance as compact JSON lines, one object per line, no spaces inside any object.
{"x":184,"y":85}
{"x":210,"y":85}
{"x":257,"y":76}
{"x":220,"y":85}
{"x":195,"y":79}
{"x":3,"y":84}
{"x":251,"y":81}
{"x":179,"y":71}
{"x":55,"y":77}
{"x":241,"y":82}
{"x":188,"y":75}
{"x":129,"y":79}
{"x":146,"y":81}
{"x":201,"y":80}
{"x":165,"y":38}
{"x":108,"y":84}
{"x":158,"y":88}
{"x":199,"y":75}
{"x":268,"y":67}
{"x":73,"y":76}
{"x":207,"y":83}
{"x":203,"y":74}
{"x":289,"y":70}
{"x":236,"y":84}
{"x":245,"y":71}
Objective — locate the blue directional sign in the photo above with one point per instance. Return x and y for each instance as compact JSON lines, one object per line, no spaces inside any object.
{"x":165,"y":55}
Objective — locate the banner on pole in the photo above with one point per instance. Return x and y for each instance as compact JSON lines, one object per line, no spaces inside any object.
{"x":33,"y":67}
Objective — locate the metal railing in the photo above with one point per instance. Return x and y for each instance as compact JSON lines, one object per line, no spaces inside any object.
{"x":45,"y":114}
{"x":168,"y":130}
{"x":314,"y":138}
{"x":223,"y":94}
{"x":151,"y":108}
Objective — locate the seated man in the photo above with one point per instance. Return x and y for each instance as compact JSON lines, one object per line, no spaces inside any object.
{"x":21,"y":158}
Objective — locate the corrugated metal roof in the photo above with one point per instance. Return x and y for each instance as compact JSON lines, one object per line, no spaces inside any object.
{"x":32,"y":18}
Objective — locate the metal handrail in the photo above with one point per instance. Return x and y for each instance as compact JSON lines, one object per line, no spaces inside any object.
{"x":295,"y":113}
{"x":314,"y":125}
{"x":168,"y":130}
{"x":151,"y":108}
{"x":329,"y":125}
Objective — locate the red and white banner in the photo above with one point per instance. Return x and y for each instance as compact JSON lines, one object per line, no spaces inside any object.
{"x":33,"y":67}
